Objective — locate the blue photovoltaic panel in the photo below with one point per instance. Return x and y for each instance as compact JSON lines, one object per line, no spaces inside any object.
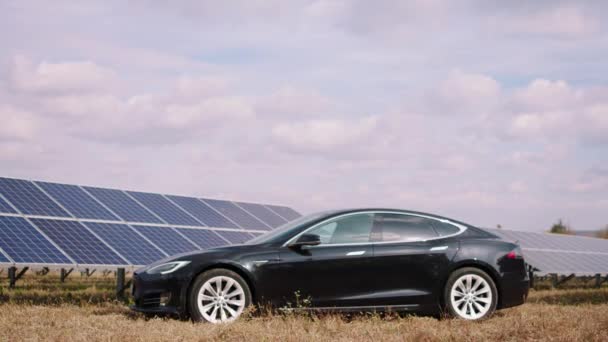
{"x":202,"y":212}
{"x":236,"y":214}
{"x":123,"y":205}
{"x":167,"y":239}
{"x":285,"y":212}
{"x":263,"y":213}
{"x":24,"y":244}
{"x":127,"y":242}
{"x":3,"y":259}
{"x":205,"y":238}
{"x":560,"y":254}
{"x":235,"y":237}
{"x":29,"y":199}
{"x":164,"y":208}
{"x":78,"y":242}
{"x":6,"y":208}
{"x":77,"y":201}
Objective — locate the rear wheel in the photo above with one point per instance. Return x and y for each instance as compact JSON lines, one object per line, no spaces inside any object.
{"x":218,"y":296}
{"x":471,"y":294}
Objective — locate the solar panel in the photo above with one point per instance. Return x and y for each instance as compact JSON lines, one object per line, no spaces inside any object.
{"x":263,"y":213}
{"x":24,"y":244}
{"x":167,"y":239}
{"x":78,"y":242}
{"x":127,"y":242}
{"x":77,"y":201}
{"x":236,"y":214}
{"x":234,"y":237}
{"x":560,"y":254}
{"x":203,"y":212}
{"x":285,"y":212}
{"x":164,"y":208}
{"x":5,"y":207}
{"x":29,"y":199}
{"x":205,"y":238}
{"x":123,"y":205}
{"x":3,"y":259}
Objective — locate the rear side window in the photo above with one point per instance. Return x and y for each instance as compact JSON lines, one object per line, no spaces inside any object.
{"x":400,"y":227}
{"x":444,"y":229}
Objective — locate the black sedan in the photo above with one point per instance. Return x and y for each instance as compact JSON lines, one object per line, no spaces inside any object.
{"x":348,"y":260}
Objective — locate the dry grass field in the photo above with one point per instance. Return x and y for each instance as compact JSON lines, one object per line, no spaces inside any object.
{"x":83,"y":310}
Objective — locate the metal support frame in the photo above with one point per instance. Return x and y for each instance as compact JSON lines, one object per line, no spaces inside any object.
{"x":13,"y":276}
{"x":557,"y":282}
{"x":599,"y":281}
{"x":44,"y":271}
{"x":531,"y":277}
{"x":87,"y":272}
{"x":65,"y":274}
{"x":121,"y":284}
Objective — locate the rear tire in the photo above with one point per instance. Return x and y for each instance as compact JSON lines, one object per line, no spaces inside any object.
{"x":470,"y":294}
{"x":218,"y":296}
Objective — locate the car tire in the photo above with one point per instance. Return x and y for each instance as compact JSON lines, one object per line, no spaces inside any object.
{"x":470,"y":294}
{"x":208,"y":304}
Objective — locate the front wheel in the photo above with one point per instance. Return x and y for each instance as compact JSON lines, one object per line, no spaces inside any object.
{"x":218,"y":296}
{"x":471,"y":294}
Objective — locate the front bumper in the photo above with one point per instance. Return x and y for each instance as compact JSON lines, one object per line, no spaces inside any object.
{"x":160,"y":294}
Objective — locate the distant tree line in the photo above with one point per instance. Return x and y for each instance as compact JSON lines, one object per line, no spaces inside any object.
{"x":562,"y":228}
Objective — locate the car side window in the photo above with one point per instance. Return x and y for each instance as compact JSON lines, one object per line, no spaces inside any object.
{"x":444,"y":229}
{"x":355,"y":228}
{"x":407,"y":228}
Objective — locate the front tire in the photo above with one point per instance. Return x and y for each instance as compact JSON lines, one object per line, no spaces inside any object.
{"x":218,"y":296}
{"x":470,"y":294}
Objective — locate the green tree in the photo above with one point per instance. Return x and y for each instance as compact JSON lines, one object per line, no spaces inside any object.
{"x":560,"y":228}
{"x":603,"y":233}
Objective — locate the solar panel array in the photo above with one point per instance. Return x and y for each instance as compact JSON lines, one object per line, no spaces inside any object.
{"x":45,"y":223}
{"x":560,"y":254}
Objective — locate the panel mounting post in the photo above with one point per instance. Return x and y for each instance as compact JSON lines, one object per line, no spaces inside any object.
{"x":65,"y":274}
{"x":44,"y":271}
{"x":531,"y":277}
{"x":13,"y":276}
{"x":87,"y":272}
{"x":121,"y":284}
{"x":599,"y":281}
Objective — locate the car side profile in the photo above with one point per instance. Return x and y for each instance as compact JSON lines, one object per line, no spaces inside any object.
{"x":344,"y":260}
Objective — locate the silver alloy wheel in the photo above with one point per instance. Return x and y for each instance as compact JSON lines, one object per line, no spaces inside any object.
{"x":471,"y":296}
{"x":221,"y":299}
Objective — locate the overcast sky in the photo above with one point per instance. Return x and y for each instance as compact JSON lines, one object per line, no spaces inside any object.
{"x":491,"y":112}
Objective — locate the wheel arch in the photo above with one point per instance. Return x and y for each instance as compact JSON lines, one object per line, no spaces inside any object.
{"x":487,"y":268}
{"x":226,"y":266}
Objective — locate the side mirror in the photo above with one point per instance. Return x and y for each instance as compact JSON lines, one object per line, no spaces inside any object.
{"x":306,"y":240}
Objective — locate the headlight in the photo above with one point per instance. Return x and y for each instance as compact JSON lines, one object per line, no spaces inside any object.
{"x":168,"y":267}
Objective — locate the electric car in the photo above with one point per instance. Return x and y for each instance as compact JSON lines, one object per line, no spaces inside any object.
{"x":355,"y":260}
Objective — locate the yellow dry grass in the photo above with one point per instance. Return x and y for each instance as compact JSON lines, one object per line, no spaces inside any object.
{"x":572,"y":315}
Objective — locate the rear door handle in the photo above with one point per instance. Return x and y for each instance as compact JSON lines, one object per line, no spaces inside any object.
{"x":355,"y":253}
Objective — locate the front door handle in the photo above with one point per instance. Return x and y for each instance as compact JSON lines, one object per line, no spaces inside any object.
{"x":355,"y":253}
{"x":439,"y":248}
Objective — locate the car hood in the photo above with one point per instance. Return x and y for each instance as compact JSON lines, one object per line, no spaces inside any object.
{"x":207,"y":253}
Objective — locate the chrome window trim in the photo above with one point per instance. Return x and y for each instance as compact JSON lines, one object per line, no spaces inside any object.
{"x":461,"y":229}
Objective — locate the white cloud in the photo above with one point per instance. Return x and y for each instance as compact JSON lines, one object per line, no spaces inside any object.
{"x":16,"y":124}
{"x":565,"y":21}
{"x":468,"y":92}
{"x":319,"y":134}
{"x":60,"y":78}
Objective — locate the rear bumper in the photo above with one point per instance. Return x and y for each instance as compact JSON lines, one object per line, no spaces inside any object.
{"x":514,"y":290}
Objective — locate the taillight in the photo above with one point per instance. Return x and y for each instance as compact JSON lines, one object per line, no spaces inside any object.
{"x":515,"y":254}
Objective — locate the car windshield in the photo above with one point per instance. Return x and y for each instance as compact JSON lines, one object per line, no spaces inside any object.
{"x":286,"y":228}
